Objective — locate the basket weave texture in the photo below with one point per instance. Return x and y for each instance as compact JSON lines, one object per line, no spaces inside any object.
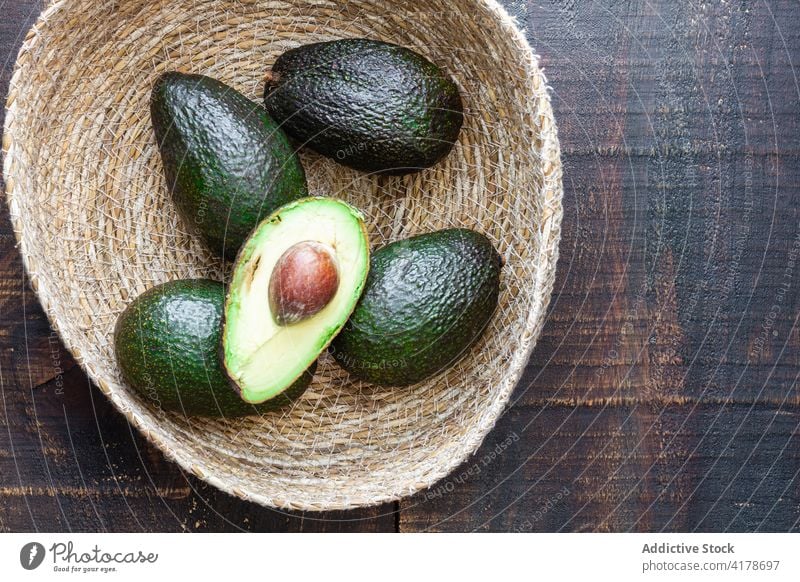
{"x":96,"y":226}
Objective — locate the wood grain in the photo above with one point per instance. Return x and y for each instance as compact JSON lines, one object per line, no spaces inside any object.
{"x":663,"y":394}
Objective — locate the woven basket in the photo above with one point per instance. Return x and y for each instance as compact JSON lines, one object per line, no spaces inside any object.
{"x":96,"y":226}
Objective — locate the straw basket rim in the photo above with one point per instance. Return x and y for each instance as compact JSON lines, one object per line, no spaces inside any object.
{"x":552,"y":192}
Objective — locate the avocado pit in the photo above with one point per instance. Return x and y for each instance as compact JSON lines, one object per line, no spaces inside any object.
{"x":304,"y":281}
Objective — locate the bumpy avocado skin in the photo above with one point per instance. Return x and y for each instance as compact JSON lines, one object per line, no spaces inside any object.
{"x":370,"y":105}
{"x":426,"y":301}
{"x":227,"y":163}
{"x":167,"y":347}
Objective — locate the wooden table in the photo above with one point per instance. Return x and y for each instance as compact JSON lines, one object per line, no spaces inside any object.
{"x":663,"y":394}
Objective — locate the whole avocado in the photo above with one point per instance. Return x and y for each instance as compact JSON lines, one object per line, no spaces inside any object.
{"x":228,"y":165}
{"x":426,"y":301}
{"x":370,"y":105}
{"x":167,"y":346}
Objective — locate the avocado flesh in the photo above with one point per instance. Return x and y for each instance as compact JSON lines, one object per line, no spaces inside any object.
{"x":227,"y":163}
{"x":167,"y":347}
{"x":261,"y":356}
{"x":370,"y":105}
{"x":426,"y":301}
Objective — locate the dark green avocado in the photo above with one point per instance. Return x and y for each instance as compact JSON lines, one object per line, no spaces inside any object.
{"x":426,"y":301}
{"x":370,"y":105}
{"x":167,"y":344}
{"x":227,"y":164}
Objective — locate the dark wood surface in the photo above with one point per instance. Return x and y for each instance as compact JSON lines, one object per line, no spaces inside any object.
{"x":663,"y":393}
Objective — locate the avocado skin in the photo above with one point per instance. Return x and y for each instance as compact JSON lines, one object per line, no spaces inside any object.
{"x":167,"y":347}
{"x":227,"y":164}
{"x":370,"y":105}
{"x":426,"y":301}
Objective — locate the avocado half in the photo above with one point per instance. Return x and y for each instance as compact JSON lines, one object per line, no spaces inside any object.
{"x":167,"y":348}
{"x":295,"y":282}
